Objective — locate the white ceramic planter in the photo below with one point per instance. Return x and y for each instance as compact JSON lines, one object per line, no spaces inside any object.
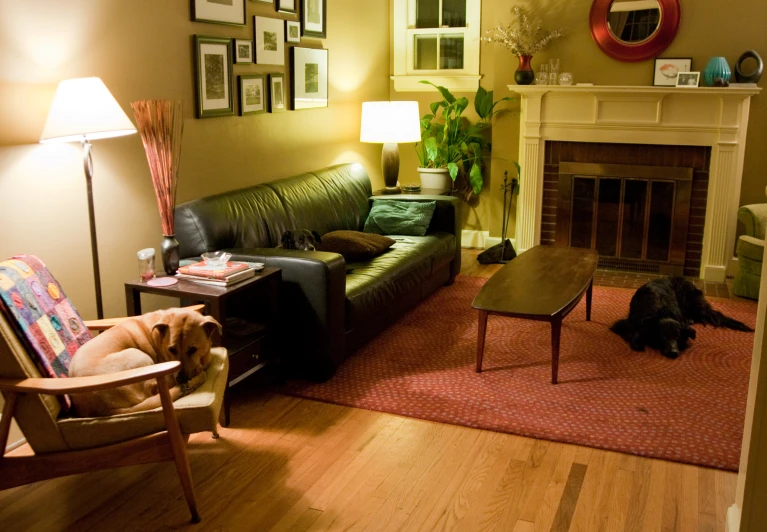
{"x":435,"y":178}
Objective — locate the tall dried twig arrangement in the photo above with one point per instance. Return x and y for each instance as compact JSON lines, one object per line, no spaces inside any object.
{"x":161,"y":124}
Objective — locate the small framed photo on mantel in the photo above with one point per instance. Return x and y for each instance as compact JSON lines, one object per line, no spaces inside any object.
{"x":667,"y":68}
{"x":213,"y":65}
{"x":219,"y":11}
{"x":687,"y":79}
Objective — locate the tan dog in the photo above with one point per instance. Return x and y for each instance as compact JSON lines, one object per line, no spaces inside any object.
{"x":160,"y":336}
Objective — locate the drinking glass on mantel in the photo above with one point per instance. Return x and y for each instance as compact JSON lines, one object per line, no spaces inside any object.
{"x":553,"y":71}
{"x":542,"y":76}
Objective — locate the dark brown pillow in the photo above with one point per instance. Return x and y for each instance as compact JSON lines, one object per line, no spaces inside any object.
{"x":354,"y":245}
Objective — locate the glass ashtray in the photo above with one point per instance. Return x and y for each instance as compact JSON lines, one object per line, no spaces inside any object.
{"x":216,"y":258}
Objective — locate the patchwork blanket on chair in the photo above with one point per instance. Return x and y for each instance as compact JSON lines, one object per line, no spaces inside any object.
{"x":42,"y":315}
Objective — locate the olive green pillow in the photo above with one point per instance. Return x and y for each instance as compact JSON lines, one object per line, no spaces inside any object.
{"x":354,"y":245}
{"x":392,"y":217}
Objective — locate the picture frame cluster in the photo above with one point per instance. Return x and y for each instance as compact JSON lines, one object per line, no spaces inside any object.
{"x":260,"y":92}
{"x":675,"y":72}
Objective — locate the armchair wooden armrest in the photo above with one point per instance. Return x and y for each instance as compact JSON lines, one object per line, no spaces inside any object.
{"x":95,"y":383}
{"x":108,"y":323}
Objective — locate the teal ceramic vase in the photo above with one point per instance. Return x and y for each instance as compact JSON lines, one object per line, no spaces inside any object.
{"x":716,"y":68}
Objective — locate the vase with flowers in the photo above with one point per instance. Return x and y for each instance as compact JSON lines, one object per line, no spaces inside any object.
{"x":523,"y":37}
{"x":161,"y":124}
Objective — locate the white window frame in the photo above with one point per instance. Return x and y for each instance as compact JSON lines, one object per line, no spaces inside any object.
{"x":406,"y":77}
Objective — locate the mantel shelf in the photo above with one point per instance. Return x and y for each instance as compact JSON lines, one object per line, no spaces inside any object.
{"x":633,"y":89}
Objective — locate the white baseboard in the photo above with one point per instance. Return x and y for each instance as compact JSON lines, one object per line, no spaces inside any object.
{"x":733,"y":519}
{"x":474,"y":239}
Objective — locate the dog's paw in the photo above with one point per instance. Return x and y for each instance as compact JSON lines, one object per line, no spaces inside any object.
{"x":197,"y":381}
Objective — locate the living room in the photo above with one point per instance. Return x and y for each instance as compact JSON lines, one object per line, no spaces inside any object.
{"x":307,"y":464}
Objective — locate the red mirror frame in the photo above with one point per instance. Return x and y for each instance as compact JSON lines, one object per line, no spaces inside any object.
{"x":631,"y":53}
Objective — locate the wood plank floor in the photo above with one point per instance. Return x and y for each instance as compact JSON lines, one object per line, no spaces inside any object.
{"x":293,"y":464}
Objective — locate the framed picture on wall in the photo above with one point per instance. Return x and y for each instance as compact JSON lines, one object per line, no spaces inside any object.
{"x":243,"y":51}
{"x":285,"y":6}
{"x":253,"y":94}
{"x":269,"y":40}
{"x":308,"y":78}
{"x":219,"y":11}
{"x":314,"y":18}
{"x":292,"y":31}
{"x":687,"y":79}
{"x":667,"y":68}
{"x":277,"y":93}
{"x":213,"y":66}
{"x":264,"y":1}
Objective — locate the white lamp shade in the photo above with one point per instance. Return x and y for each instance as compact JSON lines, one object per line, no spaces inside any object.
{"x":390,"y":122}
{"x":84,"y":108}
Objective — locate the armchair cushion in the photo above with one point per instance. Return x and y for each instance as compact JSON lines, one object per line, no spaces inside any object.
{"x":754,"y":219}
{"x":197,"y":412}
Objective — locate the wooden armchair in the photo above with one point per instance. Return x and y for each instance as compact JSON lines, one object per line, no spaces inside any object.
{"x":66,"y":445}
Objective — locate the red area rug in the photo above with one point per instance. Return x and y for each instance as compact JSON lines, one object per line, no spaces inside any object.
{"x":687,"y":410}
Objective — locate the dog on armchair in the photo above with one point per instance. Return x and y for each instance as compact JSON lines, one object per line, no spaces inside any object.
{"x":155,"y":337}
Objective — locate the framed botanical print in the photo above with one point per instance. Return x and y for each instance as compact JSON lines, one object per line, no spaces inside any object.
{"x":286,"y":6}
{"x":292,"y":31}
{"x":277,"y":93}
{"x":219,"y":11}
{"x":270,"y":40}
{"x":314,"y":18}
{"x":253,"y":94}
{"x":308,"y":77}
{"x":243,"y":51}
{"x":213,"y":65}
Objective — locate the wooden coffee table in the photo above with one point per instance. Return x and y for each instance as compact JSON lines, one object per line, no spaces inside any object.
{"x":544,"y":283}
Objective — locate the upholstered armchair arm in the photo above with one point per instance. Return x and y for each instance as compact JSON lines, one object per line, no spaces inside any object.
{"x":108,"y":323}
{"x":754,"y":219}
{"x":95,"y":383}
{"x":447,"y":218}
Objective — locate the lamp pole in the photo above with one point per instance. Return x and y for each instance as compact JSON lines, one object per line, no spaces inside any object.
{"x":88,"y":167}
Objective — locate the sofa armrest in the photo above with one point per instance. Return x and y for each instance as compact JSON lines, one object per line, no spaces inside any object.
{"x":447,"y":218}
{"x":754,"y":219}
{"x":313,"y":306}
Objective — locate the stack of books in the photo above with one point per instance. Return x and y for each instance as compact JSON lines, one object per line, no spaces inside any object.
{"x":223,"y":275}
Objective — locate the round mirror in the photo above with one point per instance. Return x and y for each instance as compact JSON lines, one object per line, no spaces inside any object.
{"x":633,"y":21}
{"x":634,"y":30}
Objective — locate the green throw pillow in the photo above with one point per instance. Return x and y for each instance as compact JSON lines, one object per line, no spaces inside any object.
{"x":392,"y":217}
{"x":354,"y":245}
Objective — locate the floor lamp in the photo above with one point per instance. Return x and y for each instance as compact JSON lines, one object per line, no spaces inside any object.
{"x":83,"y":110}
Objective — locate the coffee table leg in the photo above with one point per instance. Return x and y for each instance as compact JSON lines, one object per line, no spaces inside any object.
{"x":481,"y":329}
{"x":556,"y":329}
{"x":588,"y":300}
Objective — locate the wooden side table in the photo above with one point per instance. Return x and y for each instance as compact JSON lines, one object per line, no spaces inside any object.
{"x":422,"y":192}
{"x":248,"y":312}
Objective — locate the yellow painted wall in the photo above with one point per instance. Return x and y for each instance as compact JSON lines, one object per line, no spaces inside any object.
{"x":708,"y":28}
{"x":143,"y":49}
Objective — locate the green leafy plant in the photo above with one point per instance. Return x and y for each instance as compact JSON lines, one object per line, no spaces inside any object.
{"x":449,"y":141}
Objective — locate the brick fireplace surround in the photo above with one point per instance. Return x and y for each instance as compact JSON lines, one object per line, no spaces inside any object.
{"x":713,"y":118}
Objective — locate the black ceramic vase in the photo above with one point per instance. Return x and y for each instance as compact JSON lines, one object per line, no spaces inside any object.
{"x":169,"y":249}
{"x":524,"y":74}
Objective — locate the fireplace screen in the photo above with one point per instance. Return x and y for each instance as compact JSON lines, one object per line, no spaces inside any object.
{"x":636,"y":217}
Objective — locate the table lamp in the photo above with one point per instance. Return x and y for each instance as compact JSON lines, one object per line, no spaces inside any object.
{"x":390,"y":123}
{"x":83,"y":109}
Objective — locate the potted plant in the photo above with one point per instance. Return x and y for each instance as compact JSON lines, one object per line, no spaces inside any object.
{"x":451,"y":149}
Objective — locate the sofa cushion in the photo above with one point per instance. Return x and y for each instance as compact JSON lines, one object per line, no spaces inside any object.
{"x":400,"y":217}
{"x":355,"y":245}
{"x":372,"y":286}
{"x":750,"y":248}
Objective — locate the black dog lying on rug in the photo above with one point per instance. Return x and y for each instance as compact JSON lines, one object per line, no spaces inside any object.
{"x":661,"y":313}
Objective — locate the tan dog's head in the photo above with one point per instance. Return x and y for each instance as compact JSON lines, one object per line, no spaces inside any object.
{"x":185,"y":335}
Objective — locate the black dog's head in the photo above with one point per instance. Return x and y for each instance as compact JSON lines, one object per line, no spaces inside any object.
{"x":300,"y":239}
{"x":674,"y":337}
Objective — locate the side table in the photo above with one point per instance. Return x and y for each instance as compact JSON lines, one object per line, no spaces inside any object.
{"x":248,"y":312}
{"x":422,"y":192}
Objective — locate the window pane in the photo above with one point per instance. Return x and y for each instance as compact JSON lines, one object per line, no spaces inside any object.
{"x":607,"y":216}
{"x":425,"y":52}
{"x":454,"y":13}
{"x":634,"y":202}
{"x":427,"y":14}
{"x":661,"y":211}
{"x":583,"y":212}
{"x":451,"y":52}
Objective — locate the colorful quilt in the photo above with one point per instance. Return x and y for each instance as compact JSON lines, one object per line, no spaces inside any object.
{"x":44,"y":319}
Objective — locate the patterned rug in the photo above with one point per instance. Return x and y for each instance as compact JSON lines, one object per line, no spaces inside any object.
{"x":687,"y":410}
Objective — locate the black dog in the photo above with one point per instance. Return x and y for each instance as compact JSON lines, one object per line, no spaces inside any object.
{"x":661,"y":313}
{"x":300,"y":239}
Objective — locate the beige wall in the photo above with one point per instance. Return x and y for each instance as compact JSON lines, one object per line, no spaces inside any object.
{"x":143,"y":49}
{"x":708,"y":28}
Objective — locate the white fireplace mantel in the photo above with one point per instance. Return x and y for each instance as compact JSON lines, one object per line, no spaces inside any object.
{"x":697,"y":116}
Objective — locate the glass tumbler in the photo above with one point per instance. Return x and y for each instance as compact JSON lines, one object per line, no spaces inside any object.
{"x":542,"y":76}
{"x":146,"y":269}
{"x":553,"y":71}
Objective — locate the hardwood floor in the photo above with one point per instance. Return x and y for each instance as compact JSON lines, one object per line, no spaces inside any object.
{"x":293,"y":464}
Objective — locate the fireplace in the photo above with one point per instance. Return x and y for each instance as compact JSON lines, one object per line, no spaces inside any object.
{"x":646,"y":216}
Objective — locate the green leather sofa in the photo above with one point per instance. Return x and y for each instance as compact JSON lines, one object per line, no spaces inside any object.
{"x":750,"y":250}
{"x":329,"y":308}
